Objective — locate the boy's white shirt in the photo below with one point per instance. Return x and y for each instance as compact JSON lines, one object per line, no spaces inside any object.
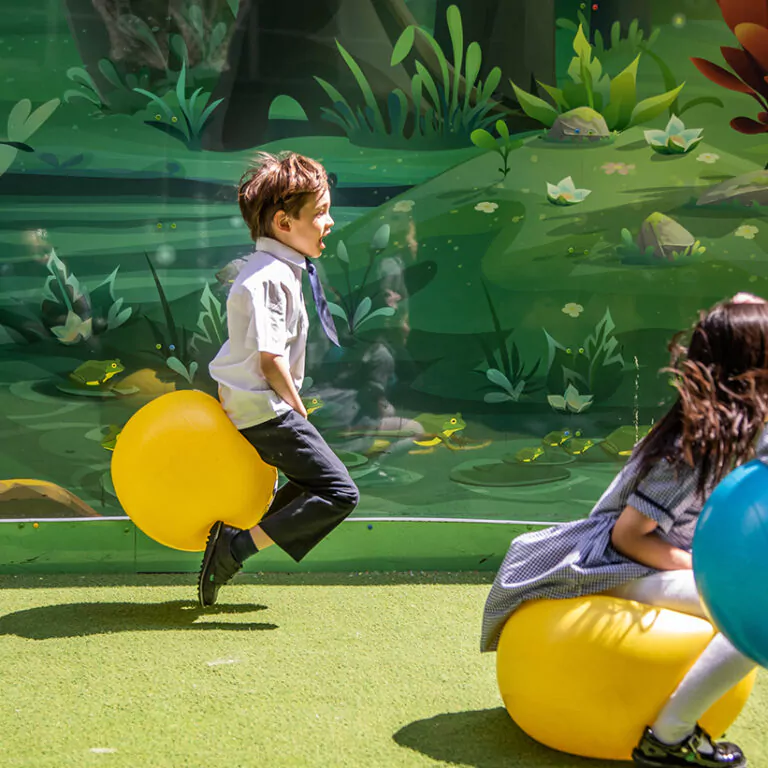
{"x":265,"y":313}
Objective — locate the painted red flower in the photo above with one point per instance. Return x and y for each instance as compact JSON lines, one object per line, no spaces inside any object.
{"x":748,"y":20}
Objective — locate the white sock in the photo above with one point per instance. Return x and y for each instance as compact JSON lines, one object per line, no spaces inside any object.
{"x":715,"y":672}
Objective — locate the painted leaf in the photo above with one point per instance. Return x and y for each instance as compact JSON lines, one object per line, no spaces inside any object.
{"x":403,"y":45}
{"x":754,"y":39}
{"x":17,"y":118}
{"x":556,"y":94}
{"x":380,"y":312}
{"x":472,"y":66}
{"x":737,"y":12}
{"x":380,"y":240}
{"x":110,"y":73}
{"x":534,"y":107}
{"x":341,"y":252}
{"x":481,"y":138}
{"x":178,"y":367}
{"x":745,"y":67}
{"x":74,"y":329}
{"x":557,"y":402}
{"x":496,"y":377}
{"x":81,"y":76}
{"x":720,"y":76}
{"x":497,"y":397}
{"x":234,"y":6}
{"x":581,"y":45}
{"x":748,"y":126}
{"x":576,"y":402}
{"x":502,"y":129}
{"x":338,"y":311}
{"x":363,"y":308}
{"x":652,"y":107}
{"x":70,"y":95}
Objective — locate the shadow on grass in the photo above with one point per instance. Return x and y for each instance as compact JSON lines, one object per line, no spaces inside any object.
{"x":486,"y":738}
{"x":81,"y":619}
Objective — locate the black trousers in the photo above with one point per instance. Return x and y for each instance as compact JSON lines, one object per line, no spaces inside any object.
{"x":319,"y":493}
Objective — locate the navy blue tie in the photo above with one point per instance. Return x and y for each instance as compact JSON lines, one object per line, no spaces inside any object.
{"x":321,"y":304}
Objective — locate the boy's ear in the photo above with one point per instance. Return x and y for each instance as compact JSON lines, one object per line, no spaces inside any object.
{"x":281,"y":222}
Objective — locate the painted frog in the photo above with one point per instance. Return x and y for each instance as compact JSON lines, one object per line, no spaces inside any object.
{"x":622,"y":440}
{"x":96,"y":373}
{"x":427,"y":430}
{"x":438,"y":428}
{"x":578,"y":445}
{"x":312,"y":404}
{"x":558,"y":438}
{"x":110,"y":438}
{"x":528,"y":455}
{"x":552,"y":445}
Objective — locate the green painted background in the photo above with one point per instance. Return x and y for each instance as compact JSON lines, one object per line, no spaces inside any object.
{"x":502,"y":330}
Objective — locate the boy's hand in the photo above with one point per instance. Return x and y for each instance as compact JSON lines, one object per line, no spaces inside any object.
{"x":275,"y":370}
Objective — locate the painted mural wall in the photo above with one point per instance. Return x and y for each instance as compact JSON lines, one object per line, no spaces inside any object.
{"x":531,"y":197}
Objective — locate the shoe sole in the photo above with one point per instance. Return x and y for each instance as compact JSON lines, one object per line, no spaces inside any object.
{"x":210,"y":547}
{"x":646,"y":763}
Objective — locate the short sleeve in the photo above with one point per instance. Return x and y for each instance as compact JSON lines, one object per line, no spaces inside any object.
{"x":665,"y":493}
{"x":268,"y":329}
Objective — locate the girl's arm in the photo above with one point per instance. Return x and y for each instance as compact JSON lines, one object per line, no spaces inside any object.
{"x":634,"y":536}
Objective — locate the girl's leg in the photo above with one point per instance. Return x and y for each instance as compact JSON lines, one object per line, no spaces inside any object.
{"x":715,"y":672}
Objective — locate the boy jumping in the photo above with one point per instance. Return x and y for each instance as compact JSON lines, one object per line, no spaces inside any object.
{"x":285,"y":200}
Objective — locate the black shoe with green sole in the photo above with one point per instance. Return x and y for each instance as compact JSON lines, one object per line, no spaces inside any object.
{"x":219,"y":566}
{"x":697,"y":749}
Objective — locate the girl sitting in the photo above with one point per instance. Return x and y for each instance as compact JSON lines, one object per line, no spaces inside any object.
{"x":636,"y":542}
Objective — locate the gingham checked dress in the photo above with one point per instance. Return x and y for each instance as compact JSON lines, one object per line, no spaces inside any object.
{"x":577,"y":558}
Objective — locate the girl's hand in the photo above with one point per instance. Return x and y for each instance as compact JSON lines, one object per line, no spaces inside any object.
{"x":635,"y":536}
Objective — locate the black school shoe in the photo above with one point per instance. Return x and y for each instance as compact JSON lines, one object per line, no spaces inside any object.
{"x":219,"y":566}
{"x":652,"y":753}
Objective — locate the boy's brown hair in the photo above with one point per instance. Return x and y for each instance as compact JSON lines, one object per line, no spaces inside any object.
{"x":282,"y":182}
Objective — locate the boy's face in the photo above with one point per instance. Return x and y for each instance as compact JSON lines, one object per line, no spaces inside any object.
{"x":306,"y":233}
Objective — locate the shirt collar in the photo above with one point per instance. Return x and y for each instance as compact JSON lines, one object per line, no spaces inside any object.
{"x":281,"y":251}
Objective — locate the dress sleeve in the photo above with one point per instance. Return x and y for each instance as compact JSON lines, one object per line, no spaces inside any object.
{"x":268,"y":329}
{"x":665,"y":493}
{"x":761,"y":447}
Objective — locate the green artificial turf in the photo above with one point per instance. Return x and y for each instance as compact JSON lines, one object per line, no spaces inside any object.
{"x":360,"y":670}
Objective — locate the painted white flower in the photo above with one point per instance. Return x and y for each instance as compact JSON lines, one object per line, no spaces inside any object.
{"x":565,"y":192}
{"x":404,"y":206}
{"x":74,"y":329}
{"x":747,"y":231}
{"x":573,"y":309}
{"x":486,"y":207}
{"x":675,"y":139}
{"x":708,"y":157}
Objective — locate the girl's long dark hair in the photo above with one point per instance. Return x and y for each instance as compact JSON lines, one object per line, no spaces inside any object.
{"x":722,"y":381}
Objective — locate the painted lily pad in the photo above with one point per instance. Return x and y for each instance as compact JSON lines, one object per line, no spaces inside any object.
{"x":500,"y":473}
{"x":116,"y":391}
{"x":352,"y":459}
{"x":383,"y":477}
